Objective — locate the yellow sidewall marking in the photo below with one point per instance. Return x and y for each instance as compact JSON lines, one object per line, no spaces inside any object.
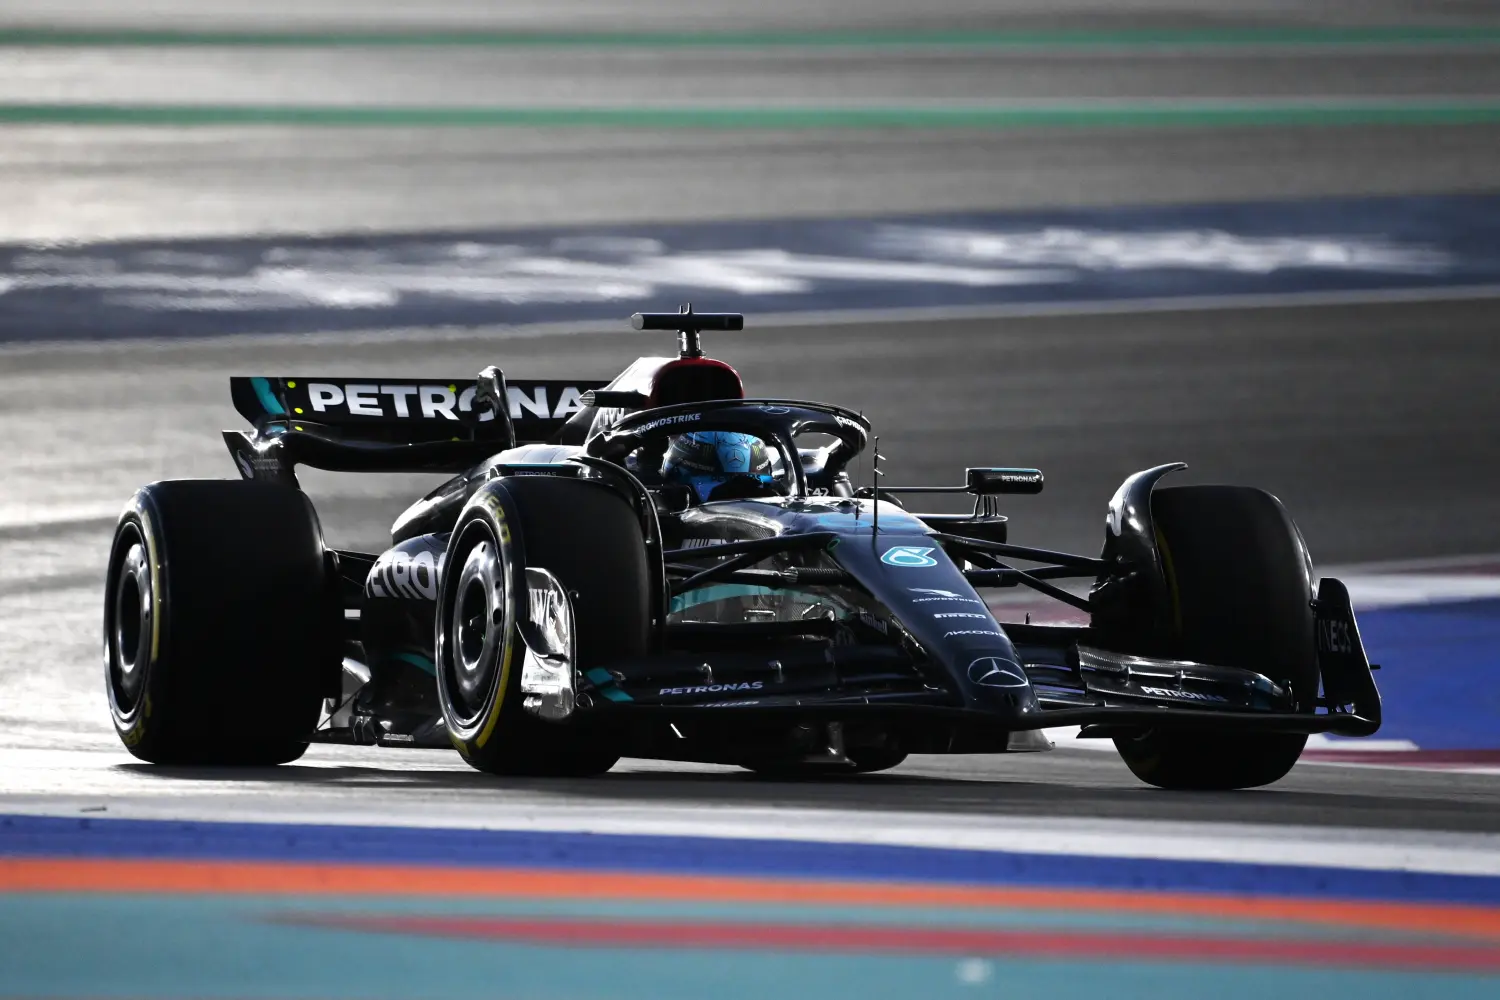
{"x":489,"y":727}
{"x":501,"y":528}
{"x":153,"y":556}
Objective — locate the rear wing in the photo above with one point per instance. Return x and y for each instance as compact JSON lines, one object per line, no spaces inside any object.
{"x":421,"y":409}
{"x":370,"y":424}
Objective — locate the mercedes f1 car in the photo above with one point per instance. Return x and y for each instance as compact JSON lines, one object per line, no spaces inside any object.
{"x":660,"y":566}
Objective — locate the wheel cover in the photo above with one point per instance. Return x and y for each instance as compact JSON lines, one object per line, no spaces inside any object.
{"x":128,"y":634}
{"x":478,"y":628}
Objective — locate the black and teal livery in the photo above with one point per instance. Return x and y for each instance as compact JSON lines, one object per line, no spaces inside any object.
{"x":566,"y":598}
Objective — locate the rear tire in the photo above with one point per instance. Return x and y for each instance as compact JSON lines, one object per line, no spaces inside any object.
{"x":590,"y":539}
{"x":1241,"y":586}
{"x":219,"y":632}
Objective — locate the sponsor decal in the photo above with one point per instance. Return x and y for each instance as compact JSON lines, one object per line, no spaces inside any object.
{"x":711,"y":688}
{"x":972,"y":631}
{"x":545,"y":604}
{"x":490,"y":502}
{"x":937,"y":594}
{"x":389,"y":401}
{"x":1334,"y":637}
{"x":997,"y":672}
{"x":514,"y":470}
{"x":909,"y":557}
{"x":775,"y":409}
{"x":960,"y":614}
{"x":681,"y":418}
{"x":428,"y":401}
{"x":1159,"y":692}
{"x":747,"y":703}
{"x":536,"y":404}
{"x":700,"y":543}
{"x":254,"y":465}
{"x":399,"y":573}
{"x":878,"y":624}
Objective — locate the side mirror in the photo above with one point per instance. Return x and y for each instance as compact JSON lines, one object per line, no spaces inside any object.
{"x":615,"y":399}
{"x":991,"y":482}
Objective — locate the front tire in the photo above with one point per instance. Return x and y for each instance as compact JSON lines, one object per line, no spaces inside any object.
{"x":219,"y":632}
{"x":1241,"y":589}
{"x":589,"y":538}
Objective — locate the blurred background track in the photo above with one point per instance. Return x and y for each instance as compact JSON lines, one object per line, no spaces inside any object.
{"x":1111,"y":69}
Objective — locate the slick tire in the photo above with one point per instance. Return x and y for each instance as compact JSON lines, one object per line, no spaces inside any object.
{"x":588,"y":536}
{"x":220,"y":632}
{"x":1241,"y":589}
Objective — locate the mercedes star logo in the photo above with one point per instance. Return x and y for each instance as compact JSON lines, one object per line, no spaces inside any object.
{"x":997,"y":672}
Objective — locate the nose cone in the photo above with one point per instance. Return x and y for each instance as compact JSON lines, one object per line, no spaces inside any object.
{"x":996,"y":679}
{"x":997,"y":672}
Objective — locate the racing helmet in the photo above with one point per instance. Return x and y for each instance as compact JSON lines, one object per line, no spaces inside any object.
{"x":720,"y":465}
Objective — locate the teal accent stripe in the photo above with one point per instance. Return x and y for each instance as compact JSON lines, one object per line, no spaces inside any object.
{"x":417,"y":660}
{"x":1258,"y":36}
{"x":718,"y":592}
{"x":268,"y":400}
{"x":605,"y":682}
{"x":1084,"y":115}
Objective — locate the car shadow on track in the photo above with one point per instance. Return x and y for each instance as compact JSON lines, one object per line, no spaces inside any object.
{"x":1087,"y":788}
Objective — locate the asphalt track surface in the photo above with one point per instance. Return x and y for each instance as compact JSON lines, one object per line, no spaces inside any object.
{"x":1374,"y":422}
{"x":660,"y":15}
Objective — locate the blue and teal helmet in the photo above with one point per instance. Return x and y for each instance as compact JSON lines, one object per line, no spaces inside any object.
{"x":706,"y":460}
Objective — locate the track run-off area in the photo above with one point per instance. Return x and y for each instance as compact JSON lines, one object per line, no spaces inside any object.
{"x":1257,"y":239}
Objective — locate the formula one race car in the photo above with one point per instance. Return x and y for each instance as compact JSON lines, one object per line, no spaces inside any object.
{"x":658,"y":566}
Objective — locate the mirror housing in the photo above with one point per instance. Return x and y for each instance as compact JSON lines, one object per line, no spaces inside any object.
{"x":996,"y":481}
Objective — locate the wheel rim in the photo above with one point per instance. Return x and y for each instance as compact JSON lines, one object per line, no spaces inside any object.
{"x":478,"y":629}
{"x":131,"y":626}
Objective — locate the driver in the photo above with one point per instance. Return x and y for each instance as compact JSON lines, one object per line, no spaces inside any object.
{"x":720,"y":465}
